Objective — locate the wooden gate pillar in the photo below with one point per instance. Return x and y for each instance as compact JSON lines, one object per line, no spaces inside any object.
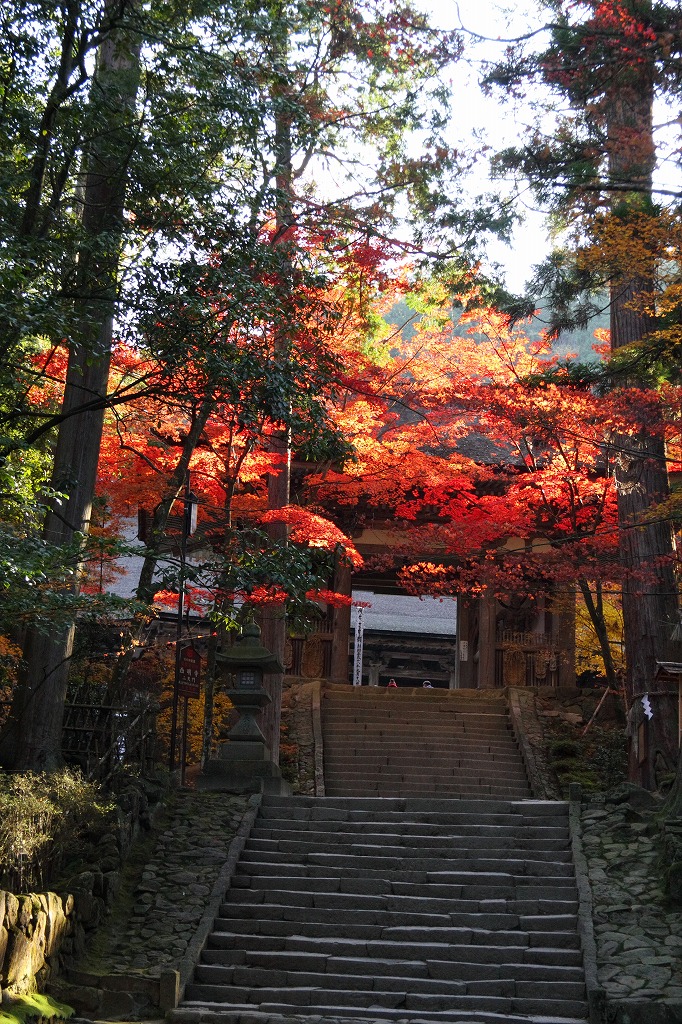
{"x":341,"y":626}
{"x":487,"y":641}
{"x":563,"y":639}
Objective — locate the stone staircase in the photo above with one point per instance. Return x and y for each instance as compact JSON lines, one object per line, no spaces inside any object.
{"x":413,"y":742}
{"x":398,"y":910}
{"x":445,"y":895}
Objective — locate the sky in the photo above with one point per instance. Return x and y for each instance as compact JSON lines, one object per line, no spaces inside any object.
{"x":487,"y":24}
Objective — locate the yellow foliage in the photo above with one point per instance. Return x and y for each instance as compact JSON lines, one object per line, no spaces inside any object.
{"x":10,"y":659}
{"x":164,"y":678}
{"x":587,"y":651}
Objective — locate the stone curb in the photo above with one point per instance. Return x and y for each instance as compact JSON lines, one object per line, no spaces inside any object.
{"x":316,"y":710}
{"x":596,"y":995}
{"x":172,"y":983}
{"x":528,"y":757}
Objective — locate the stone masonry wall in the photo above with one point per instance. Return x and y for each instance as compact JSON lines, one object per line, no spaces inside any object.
{"x":33,"y":930}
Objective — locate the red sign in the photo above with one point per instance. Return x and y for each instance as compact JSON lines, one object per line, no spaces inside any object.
{"x":189,"y":673}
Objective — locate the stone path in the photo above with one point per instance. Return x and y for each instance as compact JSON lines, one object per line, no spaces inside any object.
{"x":639,"y":937}
{"x":152,"y":926}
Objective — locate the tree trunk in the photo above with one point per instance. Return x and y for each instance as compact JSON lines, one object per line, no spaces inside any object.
{"x":32,"y":738}
{"x":273,"y":618}
{"x":649,"y":590}
{"x":146,"y":585}
{"x":595,"y":609}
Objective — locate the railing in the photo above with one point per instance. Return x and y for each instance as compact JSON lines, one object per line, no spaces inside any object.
{"x":102,"y":738}
{"x":525,"y":659}
{"x":531,"y":641}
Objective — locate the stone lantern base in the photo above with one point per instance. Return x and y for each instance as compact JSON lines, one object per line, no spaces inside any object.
{"x":243,"y":768}
{"x":243,"y":764}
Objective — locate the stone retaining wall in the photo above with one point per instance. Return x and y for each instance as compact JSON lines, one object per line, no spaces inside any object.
{"x":33,"y":932}
{"x":162,"y":918}
{"x":638,"y":930}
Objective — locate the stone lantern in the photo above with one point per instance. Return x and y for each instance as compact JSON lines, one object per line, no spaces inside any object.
{"x":243,"y":763}
{"x":248,"y":661}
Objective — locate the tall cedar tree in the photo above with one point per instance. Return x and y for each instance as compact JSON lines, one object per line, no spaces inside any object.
{"x":610,"y":60}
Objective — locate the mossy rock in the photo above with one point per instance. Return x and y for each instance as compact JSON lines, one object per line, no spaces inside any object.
{"x":587,"y":779}
{"x":567,"y":765}
{"x":20,"y":1009}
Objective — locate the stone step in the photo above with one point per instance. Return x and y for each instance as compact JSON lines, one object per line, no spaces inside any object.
{"x":420,"y":753}
{"x":485,"y":915}
{"x":394,"y":928}
{"x":415,"y":712}
{"x":427,"y":978}
{"x":390,"y":789}
{"x":497,"y":754}
{"x":521,"y":912}
{"x":198,"y":1012}
{"x":383,"y":894}
{"x":481,"y":815}
{"x":429,"y":850}
{"x":469,"y":753}
{"x":400,"y":823}
{"x":277,"y":999}
{"x":408,"y":783}
{"x":354,"y":740}
{"x":436,"y":733}
{"x":467,"y":777}
{"x":393,"y":872}
{"x":417,"y":697}
{"x":384,"y":704}
{"x":274,"y":937}
{"x":394,"y":867}
{"x":438,"y":736}
{"x":454,"y":969}
{"x":410,"y":714}
{"x":420,"y":810}
{"x":413,"y":706}
{"x":325,"y":839}
{"x":477,"y":897}
{"x":402,"y":908}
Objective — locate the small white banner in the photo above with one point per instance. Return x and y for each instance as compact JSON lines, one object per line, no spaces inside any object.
{"x":358,"y":650}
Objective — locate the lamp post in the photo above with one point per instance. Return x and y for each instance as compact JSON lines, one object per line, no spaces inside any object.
{"x":189,"y":525}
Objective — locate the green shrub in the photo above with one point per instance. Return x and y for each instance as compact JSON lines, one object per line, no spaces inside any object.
{"x":589,"y":780}
{"x":564,"y":748}
{"x":567,"y":764}
{"x":43,"y":819}
{"x":607,"y":754}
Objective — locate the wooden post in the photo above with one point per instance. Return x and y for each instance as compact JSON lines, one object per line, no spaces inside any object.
{"x":341,"y":630}
{"x":486,"y":641}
